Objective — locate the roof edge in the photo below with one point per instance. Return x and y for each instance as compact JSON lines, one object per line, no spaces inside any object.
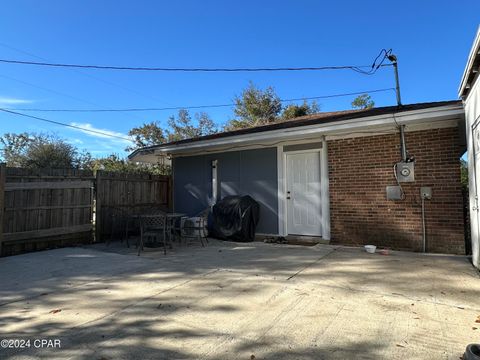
{"x":305,"y":121}
{"x":470,"y":60}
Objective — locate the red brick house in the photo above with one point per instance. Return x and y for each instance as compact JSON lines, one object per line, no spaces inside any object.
{"x":342,"y":176}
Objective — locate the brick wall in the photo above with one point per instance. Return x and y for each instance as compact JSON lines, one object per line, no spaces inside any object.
{"x":361,"y":168}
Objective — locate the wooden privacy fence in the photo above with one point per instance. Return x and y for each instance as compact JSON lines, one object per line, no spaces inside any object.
{"x":44,"y":208}
{"x":128,"y":194}
{"x":50,"y":208}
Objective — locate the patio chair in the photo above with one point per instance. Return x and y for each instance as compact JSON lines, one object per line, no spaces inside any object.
{"x":205,"y":213}
{"x":194,"y":228}
{"x":151,"y":227}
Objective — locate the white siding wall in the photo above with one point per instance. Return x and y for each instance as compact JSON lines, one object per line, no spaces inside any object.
{"x":472,"y":113}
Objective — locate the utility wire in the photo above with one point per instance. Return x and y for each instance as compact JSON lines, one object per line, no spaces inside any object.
{"x":108,"y":82}
{"x":358,"y":69}
{"x":197,"y":106}
{"x":66,"y":125}
{"x":11,"y":111}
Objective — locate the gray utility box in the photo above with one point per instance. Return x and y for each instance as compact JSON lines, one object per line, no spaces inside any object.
{"x":405,"y":171}
{"x":394,"y":193}
{"x":426,"y":192}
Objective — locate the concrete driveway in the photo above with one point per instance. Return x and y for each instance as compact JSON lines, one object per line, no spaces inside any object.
{"x":238,"y":301}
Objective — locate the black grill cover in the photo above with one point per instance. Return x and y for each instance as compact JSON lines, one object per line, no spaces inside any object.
{"x":235,"y":218}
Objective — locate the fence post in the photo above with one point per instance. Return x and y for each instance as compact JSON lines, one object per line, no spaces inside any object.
{"x":3,"y":170}
{"x":98,"y":206}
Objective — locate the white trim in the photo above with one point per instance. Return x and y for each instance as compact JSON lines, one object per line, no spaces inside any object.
{"x":378,"y":131}
{"x":385,"y":130}
{"x":325,"y":190}
{"x":285,"y":210}
{"x":214,"y":165}
{"x":285,"y":176}
{"x":303,"y":151}
{"x":282,"y":224}
{"x":275,"y":137}
{"x":468,"y":67}
{"x":264,"y":145}
{"x":172,"y":182}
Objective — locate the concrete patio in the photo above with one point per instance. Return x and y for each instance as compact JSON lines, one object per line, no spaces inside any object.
{"x":239,"y":301}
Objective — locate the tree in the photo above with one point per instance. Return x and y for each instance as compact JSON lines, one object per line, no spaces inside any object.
{"x":206,"y":125}
{"x":181,"y":127}
{"x":363,"y":101}
{"x":148,"y":134}
{"x":14,"y":147}
{"x":293,"y":111}
{"x":255,"y":107}
{"x":32,"y":150}
{"x":114,"y":162}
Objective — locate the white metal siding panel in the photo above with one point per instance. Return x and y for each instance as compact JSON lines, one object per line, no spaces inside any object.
{"x":472,"y":114}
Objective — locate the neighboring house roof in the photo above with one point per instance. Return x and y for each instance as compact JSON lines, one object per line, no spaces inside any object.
{"x":299,"y":122}
{"x":470,"y":74}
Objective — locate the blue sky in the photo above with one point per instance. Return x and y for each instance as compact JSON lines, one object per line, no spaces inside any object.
{"x":430,"y":38}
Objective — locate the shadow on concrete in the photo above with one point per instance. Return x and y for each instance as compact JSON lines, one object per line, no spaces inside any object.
{"x":116,"y":305}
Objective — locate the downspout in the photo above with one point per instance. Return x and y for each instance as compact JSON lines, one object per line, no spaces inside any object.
{"x":424,"y":242}
{"x":403,"y":147}
{"x":325,"y":191}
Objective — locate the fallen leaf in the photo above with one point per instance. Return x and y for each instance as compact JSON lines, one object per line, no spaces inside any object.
{"x":399,"y":345}
{"x":55,"y":311}
{"x":252,"y":357}
{"x":474,"y":328}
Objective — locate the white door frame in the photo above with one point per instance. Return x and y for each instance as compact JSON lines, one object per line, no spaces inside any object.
{"x":288,"y":176}
{"x":324,"y":188}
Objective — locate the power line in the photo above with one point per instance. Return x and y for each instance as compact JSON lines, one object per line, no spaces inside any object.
{"x":53,"y":92}
{"x":11,"y":111}
{"x":358,"y":69}
{"x":108,"y":82}
{"x":197,"y":106}
{"x":67,"y":125}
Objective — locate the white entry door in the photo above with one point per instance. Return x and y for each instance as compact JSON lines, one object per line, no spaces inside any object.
{"x":303,"y":193}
